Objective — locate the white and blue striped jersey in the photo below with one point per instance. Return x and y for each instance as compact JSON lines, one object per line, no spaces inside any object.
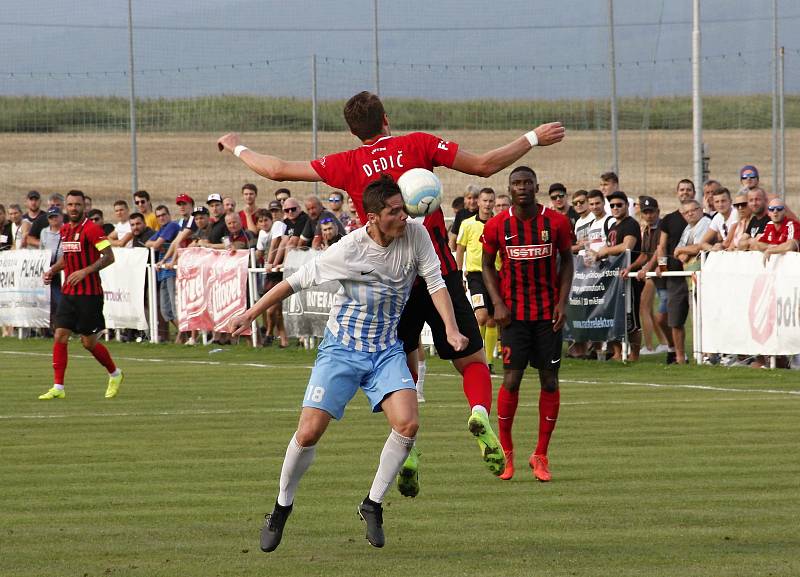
{"x":376,"y":282}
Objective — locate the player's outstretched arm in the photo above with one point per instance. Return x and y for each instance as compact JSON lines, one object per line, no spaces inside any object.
{"x":494,"y":161}
{"x":267,"y":165}
{"x":274,"y":295}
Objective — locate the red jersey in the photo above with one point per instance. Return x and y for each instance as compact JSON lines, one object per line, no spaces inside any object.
{"x":528,"y":249}
{"x":82,"y":243}
{"x":790,"y":229}
{"x":353,"y":170}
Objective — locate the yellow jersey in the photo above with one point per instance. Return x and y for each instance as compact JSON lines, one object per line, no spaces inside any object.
{"x":469,"y":236}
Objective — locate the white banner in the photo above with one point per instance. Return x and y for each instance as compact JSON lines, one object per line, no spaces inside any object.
{"x":748,"y":306}
{"x":123,"y":287}
{"x":24,"y":299}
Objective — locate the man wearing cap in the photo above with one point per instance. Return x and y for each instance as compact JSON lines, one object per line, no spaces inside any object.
{"x":653,"y":324}
{"x":55,"y":200}
{"x":33,"y":216}
{"x":336,"y":204}
{"x":187,"y":225}
{"x":311,"y":233}
{"x":217,"y":218}
{"x":748,"y":176}
{"x":722,"y":222}
{"x":202,"y":217}
{"x":623,"y":235}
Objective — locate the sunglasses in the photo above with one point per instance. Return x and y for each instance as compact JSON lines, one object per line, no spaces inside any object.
{"x":776,"y":208}
{"x":326,"y":220}
{"x":140,"y":201}
{"x":334,"y":199}
{"x":749,"y":177}
{"x":162,"y":215}
{"x":557,"y":195}
{"x":578,"y":202}
{"x":740,"y":204}
{"x":290,"y":209}
{"x":616,"y":205}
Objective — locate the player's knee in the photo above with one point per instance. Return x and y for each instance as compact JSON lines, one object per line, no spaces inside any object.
{"x":511,"y":383}
{"x":308,"y":436}
{"x":407,"y":428}
{"x":88,"y":345}
{"x":548,"y":380}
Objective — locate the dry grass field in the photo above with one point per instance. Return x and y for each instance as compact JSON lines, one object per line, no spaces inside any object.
{"x":650,"y":162}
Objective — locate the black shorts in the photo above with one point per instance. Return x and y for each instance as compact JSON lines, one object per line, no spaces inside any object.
{"x":82,"y":314}
{"x":478,"y":294}
{"x":420,"y":310}
{"x":677,"y":301}
{"x":531,"y":343}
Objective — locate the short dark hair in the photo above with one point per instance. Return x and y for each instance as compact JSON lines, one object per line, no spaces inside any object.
{"x":262,"y":213}
{"x":523,"y":169}
{"x":161,"y":207}
{"x":378,"y":192}
{"x":578,"y":193}
{"x":77,"y":193}
{"x":248,"y":186}
{"x":594,"y":193}
{"x":138,"y":215}
{"x":458,"y":203}
{"x":722,"y":190}
{"x":609,"y":176}
{"x":93,"y":213}
{"x":141,"y":194}
{"x":487,"y":190}
{"x":681,"y":181}
{"x":86,"y":197}
{"x":281,"y":191}
{"x":364,"y":115}
{"x":120,"y":203}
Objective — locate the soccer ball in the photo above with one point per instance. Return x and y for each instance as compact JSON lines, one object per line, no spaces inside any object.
{"x":422,"y":191}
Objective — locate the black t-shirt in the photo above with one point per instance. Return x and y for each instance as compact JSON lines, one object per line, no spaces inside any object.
{"x":108,"y":228}
{"x":461,"y":216}
{"x":6,"y":238}
{"x":37,"y":224}
{"x":138,"y":241}
{"x":295,"y":227}
{"x":756,"y":225}
{"x":218,"y":230}
{"x":626,"y":227}
{"x":672,"y":225}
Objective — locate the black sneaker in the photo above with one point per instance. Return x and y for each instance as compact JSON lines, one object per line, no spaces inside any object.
{"x":372,"y":514}
{"x":273,"y":528}
{"x":671,"y":358}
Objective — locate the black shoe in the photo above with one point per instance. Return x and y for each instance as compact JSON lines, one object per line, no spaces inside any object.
{"x":273,"y":529}
{"x":372,"y":514}
{"x":491,"y":369}
{"x":671,"y":358}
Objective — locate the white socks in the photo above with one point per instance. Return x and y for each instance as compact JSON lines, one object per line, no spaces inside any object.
{"x":394,"y":454}
{"x":296,"y":462}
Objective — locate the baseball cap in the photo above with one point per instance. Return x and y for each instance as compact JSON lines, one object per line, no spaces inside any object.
{"x":620,"y":195}
{"x":648,"y":203}
{"x":213,"y":198}
{"x":34,"y":194}
{"x":184,"y":198}
{"x":275,"y":205}
{"x":557,"y":186}
{"x":201,"y":210}
{"x":53,"y":211}
{"x":748,"y":170}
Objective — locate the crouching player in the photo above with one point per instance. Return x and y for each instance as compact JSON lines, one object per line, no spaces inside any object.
{"x":376,"y":266}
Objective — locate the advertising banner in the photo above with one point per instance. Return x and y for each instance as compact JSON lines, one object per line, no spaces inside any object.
{"x":211,"y":288}
{"x":305,"y":313}
{"x":596,"y":304}
{"x":24,"y":298}
{"x":750,"y":306}
{"x":123,"y":289}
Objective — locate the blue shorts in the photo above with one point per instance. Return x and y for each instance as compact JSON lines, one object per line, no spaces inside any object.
{"x":339,"y":372}
{"x":662,"y":300}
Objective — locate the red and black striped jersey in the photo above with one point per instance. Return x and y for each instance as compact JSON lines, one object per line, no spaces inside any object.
{"x":82,"y":243}
{"x":528,"y":252}
{"x":353,"y":170}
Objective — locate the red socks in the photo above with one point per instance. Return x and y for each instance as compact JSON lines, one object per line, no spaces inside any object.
{"x":103,"y":357}
{"x":59,"y":362}
{"x":478,"y":385}
{"x":506,"y":409}
{"x":548,"y":414}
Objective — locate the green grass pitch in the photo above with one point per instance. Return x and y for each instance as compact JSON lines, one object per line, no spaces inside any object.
{"x":673,"y":471}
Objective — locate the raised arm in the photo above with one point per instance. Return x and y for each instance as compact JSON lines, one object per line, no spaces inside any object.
{"x":267,"y":165}
{"x":495,"y":160}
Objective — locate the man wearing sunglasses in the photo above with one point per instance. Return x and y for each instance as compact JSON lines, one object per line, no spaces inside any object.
{"x":748,"y":176}
{"x":558,"y":202}
{"x":141,"y":198}
{"x":336,"y":206}
{"x":781,"y":235}
{"x":311,"y":234}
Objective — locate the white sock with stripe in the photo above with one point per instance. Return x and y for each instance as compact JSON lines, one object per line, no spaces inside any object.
{"x":394,"y":454}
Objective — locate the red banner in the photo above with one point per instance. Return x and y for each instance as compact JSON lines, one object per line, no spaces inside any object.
{"x":211,"y":288}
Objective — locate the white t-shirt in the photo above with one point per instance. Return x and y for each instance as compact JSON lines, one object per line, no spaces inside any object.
{"x":277,"y":229}
{"x":582,"y":226}
{"x":376,"y":281}
{"x":722,"y":225}
{"x":598,"y":232}
{"x":123,"y":228}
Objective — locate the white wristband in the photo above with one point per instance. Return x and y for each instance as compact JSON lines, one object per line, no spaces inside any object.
{"x":239,"y":149}
{"x":532,"y":138}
